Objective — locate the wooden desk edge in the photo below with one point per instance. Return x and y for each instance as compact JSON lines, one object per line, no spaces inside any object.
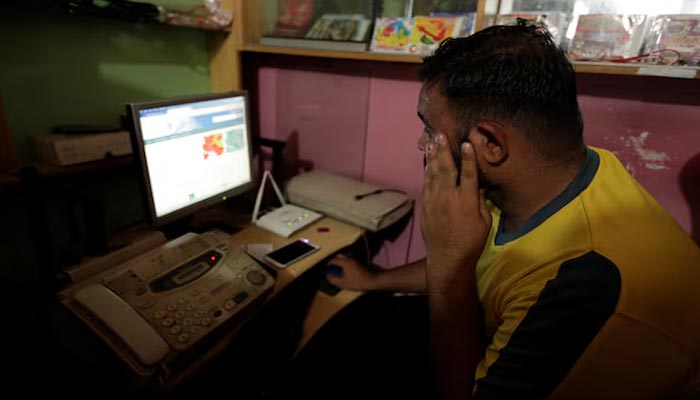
{"x":323,"y":307}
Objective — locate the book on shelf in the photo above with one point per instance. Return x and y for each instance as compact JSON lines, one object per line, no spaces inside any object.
{"x":294,"y":18}
{"x":680,"y":32}
{"x":418,"y":35}
{"x":428,"y":32}
{"x":391,"y":35}
{"x":468,"y":24}
{"x":608,"y":36}
{"x":340,"y":27}
{"x":555,"y":22}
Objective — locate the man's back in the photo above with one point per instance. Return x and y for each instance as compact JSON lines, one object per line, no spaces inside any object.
{"x":594,"y":298}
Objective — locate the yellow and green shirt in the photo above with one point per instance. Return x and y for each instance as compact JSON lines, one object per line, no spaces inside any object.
{"x":597,"y":296}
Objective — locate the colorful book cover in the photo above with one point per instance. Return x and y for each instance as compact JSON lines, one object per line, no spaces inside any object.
{"x":468,"y":24}
{"x":419,"y":35}
{"x":428,"y":32}
{"x":340,"y":27}
{"x":392,"y":35}
{"x":608,"y":36}
{"x":677,"y":32}
{"x":294,"y":18}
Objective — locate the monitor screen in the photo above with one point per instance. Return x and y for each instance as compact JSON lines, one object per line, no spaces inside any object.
{"x":194,"y":152}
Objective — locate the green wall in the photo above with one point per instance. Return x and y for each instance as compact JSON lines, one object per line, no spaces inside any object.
{"x":64,"y":69}
{"x":57,"y":68}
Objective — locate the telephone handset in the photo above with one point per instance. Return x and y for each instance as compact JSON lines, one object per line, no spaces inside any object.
{"x":125,"y":322}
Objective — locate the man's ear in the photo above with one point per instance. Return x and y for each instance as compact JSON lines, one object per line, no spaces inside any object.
{"x":490,"y":142}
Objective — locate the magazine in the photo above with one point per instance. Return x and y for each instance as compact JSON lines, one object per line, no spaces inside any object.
{"x":428,"y":32}
{"x":391,"y":35}
{"x":679,"y":32}
{"x":608,"y":36}
{"x":468,"y":24}
{"x":419,"y":35}
{"x":340,"y":27}
{"x":294,"y":18}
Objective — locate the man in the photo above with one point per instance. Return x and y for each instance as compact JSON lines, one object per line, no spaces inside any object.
{"x":549,"y":271}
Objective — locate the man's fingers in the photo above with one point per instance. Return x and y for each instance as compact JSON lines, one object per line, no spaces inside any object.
{"x":445,"y":162}
{"x":440,"y":162}
{"x":469,"y":180}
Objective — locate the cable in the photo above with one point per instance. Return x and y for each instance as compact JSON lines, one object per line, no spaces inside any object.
{"x":378,"y":191}
{"x":410,"y":236}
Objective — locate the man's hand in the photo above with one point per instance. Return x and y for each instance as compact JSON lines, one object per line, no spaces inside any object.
{"x":352,"y":275}
{"x":455,"y":219}
{"x":455,"y":227}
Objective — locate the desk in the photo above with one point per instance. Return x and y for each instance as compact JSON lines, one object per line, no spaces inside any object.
{"x":338,"y":236}
{"x":335,"y":237}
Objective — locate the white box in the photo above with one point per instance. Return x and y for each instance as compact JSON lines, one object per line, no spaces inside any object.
{"x":287,"y":220}
{"x":76,"y":148}
{"x":360,"y":203}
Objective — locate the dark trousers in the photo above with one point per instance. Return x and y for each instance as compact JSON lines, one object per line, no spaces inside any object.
{"x":377,"y":347}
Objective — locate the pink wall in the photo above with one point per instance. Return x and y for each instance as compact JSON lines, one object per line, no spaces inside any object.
{"x":392,"y":157}
{"x":364,"y":125}
{"x":654,"y":141}
{"x":328,"y":110}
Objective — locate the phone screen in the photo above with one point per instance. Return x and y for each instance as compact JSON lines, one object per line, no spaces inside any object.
{"x":291,"y":252}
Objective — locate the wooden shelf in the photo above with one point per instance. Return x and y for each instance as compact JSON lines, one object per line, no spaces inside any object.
{"x":347,"y":55}
{"x":117,"y":163}
{"x":638,"y":70}
{"x":580,"y":67}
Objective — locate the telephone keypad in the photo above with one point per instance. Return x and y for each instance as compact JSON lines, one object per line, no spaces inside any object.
{"x":184,"y":317}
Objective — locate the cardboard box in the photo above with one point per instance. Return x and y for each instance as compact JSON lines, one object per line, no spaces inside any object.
{"x":70,"y":149}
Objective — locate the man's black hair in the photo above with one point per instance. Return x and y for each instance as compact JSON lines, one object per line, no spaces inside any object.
{"x":514,"y":75}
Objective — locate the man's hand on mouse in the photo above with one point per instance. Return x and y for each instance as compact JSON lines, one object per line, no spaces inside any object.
{"x":455,"y":219}
{"x":346,"y":273}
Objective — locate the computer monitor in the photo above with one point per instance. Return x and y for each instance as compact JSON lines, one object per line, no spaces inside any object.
{"x":194,"y":152}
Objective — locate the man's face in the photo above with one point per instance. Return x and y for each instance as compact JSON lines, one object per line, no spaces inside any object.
{"x":437,"y":117}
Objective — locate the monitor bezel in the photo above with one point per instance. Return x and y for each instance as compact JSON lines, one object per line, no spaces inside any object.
{"x":140,"y":155}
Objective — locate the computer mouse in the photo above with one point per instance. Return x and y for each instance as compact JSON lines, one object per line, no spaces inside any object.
{"x":324,"y":285}
{"x":334,"y":270}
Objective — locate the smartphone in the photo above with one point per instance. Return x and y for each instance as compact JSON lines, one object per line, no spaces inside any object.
{"x":290,"y":253}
